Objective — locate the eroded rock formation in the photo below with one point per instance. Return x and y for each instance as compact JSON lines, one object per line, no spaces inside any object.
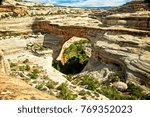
{"x":134,"y":14}
{"x":120,"y":41}
{"x":111,"y":45}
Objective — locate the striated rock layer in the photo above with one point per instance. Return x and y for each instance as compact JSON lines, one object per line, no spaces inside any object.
{"x":127,"y":48}
{"x":134,"y":14}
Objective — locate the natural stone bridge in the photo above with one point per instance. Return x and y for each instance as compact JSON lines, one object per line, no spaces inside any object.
{"x":79,"y":31}
{"x":110,"y":46}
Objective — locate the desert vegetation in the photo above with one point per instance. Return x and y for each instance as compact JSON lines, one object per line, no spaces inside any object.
{"x":133,"y":92}
{"x":75,"y":59}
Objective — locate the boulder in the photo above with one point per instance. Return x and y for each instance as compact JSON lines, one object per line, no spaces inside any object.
{"x":121,"y":86}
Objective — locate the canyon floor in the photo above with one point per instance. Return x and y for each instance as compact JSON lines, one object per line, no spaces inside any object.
{"x":49,"y":52}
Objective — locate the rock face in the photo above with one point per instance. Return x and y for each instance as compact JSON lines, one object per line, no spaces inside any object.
{"x":134,"y":14}
{"x":133,"y":20}
{"x":12,"y":88}
{"x":125,"y":51}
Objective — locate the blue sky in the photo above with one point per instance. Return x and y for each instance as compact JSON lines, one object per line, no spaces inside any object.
{"x":84,"y":3}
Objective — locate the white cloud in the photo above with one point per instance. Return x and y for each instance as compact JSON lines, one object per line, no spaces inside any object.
{"x":84,"y":3}
{"x":44,"y":1}
{"x":96,"y":3}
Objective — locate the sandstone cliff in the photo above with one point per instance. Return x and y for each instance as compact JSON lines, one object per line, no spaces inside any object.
{"x":120,"y":41}
{"x":134,"y":14}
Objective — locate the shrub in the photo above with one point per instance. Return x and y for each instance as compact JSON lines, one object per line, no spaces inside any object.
{"x":39,"y":86}
{"x":82,"y":92}
{"x":45,"y":77}
{"x":88,"y":82}
{"x":76,"y":50}
{"x":75,"y":56}
{"x":13,"y":74}
{"x":13,"y":65}
{"x":146,"y":97}
{"x":69,"y":77}
{"x":26,"y":61}
{"x":27,"y":68}
{"x":58,"y":65}
{"x":84,"y":98}
{"x":110,"y":92}
{"x":38,"y":47}
{"x":34,"y":75}
{"x":51,"y":84}
{"x":135,"y":90}
{"x":85,"y":81}
{"x":65,"y":93}
{"x":114,"y":94}
{"x":36,"y":71}
{"x":22,"y":68}
{"x":114,"y":77}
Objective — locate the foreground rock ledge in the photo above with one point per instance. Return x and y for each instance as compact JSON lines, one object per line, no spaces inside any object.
{"x":12,"y":88}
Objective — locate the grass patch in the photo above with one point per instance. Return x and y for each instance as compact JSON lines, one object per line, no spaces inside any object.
{"x":65,"y":93}
{"x":82,"y":92}
{"x":38,"y":47}
{"x":135,"y":91}
{"x":39,"y":86}
{"x":24,"y":68}
{"x":34,"y":74}
{"x":13,"y":65}
{"x":86,"y":82}
{"x":115,"y":77}
{"x":51,"y":84}
{"x":114,"y":94}
{"x":26,"y":61}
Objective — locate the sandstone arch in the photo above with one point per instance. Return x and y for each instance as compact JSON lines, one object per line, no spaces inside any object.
{"x":131,"y":71}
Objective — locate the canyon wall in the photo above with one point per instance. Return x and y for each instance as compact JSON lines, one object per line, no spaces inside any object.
{"x":131,"y":22}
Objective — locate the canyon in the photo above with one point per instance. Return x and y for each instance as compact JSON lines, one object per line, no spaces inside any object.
{"x":36,"y":35}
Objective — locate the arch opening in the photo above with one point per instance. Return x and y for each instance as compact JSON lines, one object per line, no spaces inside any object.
{"x":1,"y":1}
{"x":74,"y":58}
